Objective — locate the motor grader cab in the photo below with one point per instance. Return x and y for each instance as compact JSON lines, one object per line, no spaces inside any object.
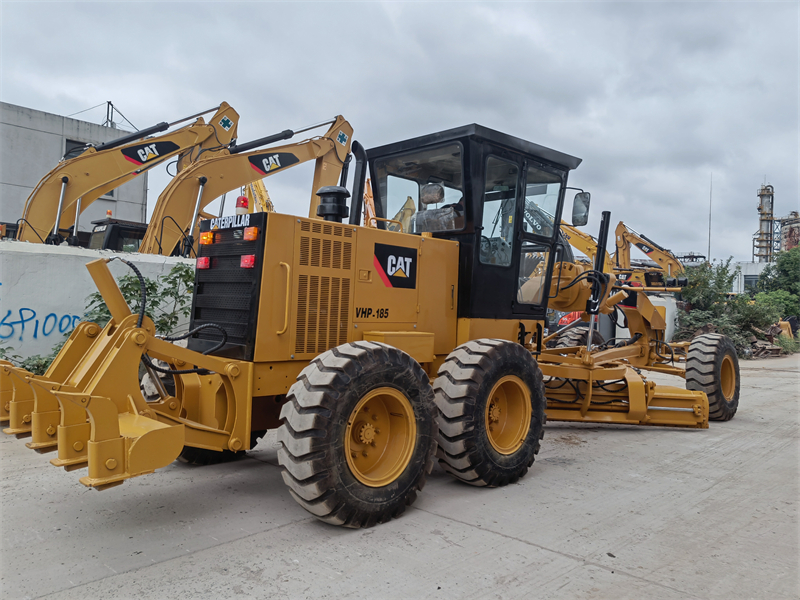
{"x":368,"y":348}
{"x":53,"y":209}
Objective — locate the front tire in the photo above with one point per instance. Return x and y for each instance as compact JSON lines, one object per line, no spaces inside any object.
{"x":491,"y":403}
{"x":713,"y":367}
{"x":358,"y":434}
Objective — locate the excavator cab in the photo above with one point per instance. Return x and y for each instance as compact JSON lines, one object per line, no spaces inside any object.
{"x":497,"y":195}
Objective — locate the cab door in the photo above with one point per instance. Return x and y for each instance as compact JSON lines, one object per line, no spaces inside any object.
{"x":542,"y":198}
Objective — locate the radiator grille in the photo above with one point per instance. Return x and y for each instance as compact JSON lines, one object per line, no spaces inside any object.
{"x":322,"y":313}
{"x":323,"y":296}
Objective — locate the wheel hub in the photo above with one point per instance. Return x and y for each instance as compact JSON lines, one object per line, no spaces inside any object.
{"x":508,"y":415}
{"x":380,"y":437}
{"x":364,"y":433}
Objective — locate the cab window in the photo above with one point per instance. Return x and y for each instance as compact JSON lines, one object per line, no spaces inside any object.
{"x":499,"y":210}
{"x":423,"y":190}
{"x":542,"y":190}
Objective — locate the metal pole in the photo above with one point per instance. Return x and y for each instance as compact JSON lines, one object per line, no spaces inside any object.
{"x":189,"y":241}
{"x":73,"y":239}
{"x":54,"y":238}
{"x":710,"y":189}
{"x":222,"y":204}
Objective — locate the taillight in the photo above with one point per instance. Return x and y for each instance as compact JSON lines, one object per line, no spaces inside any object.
{"x":250,"y":234}
{"x":203,"y":262}
{"x":242,"y":204}
{"x":569,"y":318}
{"x":248,"y":261}
{"x":206,"y":238}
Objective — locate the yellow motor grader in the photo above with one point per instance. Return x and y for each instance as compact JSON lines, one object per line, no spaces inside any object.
{"x":367,"y":348}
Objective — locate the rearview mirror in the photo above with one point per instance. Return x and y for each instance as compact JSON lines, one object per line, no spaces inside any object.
{"x":580,"y":209}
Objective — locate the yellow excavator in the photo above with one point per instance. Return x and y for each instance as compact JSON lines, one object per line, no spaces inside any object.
{"x":665,"y":275}
{"x":180,"y":205}
{"x":372,"y":351}
{"x":56,"y":202}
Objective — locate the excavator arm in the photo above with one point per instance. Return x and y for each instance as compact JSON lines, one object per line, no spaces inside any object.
{"x":627,"y":237}
{"x":197,"y":185}
{"x":98,"y":170}
{"x":585,"y":243}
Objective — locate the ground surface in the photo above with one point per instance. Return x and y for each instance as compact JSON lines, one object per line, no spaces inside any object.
{"x":606,"y":512}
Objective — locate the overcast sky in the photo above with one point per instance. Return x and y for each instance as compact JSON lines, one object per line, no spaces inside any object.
{"x":653,"y":96}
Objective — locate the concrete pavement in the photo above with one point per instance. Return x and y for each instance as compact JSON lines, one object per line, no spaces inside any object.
{"x":605,"y":512}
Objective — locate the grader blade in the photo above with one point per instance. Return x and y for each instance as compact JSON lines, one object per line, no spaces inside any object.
{"x":619,"y":395}
{"x":122,"y":445}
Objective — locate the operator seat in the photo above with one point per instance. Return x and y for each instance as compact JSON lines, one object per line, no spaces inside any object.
{"x":447,"y":218}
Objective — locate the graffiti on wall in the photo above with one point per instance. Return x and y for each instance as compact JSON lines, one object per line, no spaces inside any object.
{"x":25,"y":324}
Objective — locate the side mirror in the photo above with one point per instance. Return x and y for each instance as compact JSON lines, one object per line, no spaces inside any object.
{"x":580,"y":209}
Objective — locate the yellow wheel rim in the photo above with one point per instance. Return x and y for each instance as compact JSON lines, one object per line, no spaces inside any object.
{"x":508,"y":415}
{"x":380,"y":437}
{"x":727,"y":378}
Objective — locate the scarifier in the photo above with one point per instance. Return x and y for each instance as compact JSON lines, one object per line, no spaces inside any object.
{"x":369,"y":347}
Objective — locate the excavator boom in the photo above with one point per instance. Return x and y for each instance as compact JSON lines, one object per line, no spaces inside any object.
{"x":98,"y":170}
{"x":195,"y":187}
{"x":627,"y":237}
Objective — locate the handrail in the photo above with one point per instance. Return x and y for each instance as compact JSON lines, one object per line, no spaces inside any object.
{"x":288,"y":289}
{"x":388,"y":221}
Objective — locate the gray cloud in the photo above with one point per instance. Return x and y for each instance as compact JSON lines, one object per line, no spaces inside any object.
{"x":653,"y":96}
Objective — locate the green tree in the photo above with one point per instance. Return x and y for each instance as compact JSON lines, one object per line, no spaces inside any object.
{"x":169,"y":297}
{"x":709,"y":302}
{"x":786,"y":303}
{"x":783,"y":275}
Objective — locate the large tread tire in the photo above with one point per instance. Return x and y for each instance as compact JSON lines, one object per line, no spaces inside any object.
{"x":713,"y":367}
{"x":315,"y":420}
{"x":462,"y":390}
{"x":577,"y":336}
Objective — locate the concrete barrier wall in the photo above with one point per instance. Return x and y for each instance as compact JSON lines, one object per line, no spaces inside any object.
{"x":43,"y":290}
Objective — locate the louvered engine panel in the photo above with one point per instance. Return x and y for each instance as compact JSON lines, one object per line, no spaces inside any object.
{"x":324,"y":286}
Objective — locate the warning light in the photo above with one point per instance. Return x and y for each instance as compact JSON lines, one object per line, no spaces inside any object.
{"x":206,"y":238}
{"x":203,"y":262}
{"x":248,"y":261}
{"x":108,"y":213}
{"x":242,"y":204}
{"x":250,"y":234}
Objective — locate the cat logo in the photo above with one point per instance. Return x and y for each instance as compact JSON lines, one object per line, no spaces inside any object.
{"x":396,"y":265}
{"x":271,"y":162}
{"x":644,"y":247}
{"x":268,"y":163}
{"x":147,"y":152}
{"x":142,"y":153}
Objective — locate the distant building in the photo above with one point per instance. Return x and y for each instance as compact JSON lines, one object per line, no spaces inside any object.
{"x":748,"y":277}
{"x":32,"y":142}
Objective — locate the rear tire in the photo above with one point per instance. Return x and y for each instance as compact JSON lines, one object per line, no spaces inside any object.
{"x":358,"y":434}
{"x":713,"y":367}
{"x":491,"y":403}
{"x":577,"y":336}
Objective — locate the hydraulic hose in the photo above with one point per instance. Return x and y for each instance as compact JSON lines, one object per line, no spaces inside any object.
{"x":140,"y":320}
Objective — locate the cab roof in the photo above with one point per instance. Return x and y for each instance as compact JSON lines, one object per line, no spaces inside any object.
{"x":480,"y":133}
